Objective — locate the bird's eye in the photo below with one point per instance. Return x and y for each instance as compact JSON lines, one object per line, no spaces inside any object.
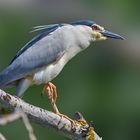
{"x":95,"y":27}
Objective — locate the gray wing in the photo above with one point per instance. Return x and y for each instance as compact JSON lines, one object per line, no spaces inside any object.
{"x":42,"y":53}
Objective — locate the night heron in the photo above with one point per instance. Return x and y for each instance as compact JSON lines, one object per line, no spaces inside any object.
{"x":43,"y":58}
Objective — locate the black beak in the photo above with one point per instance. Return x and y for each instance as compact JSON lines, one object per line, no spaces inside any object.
{"x":111,"y":35}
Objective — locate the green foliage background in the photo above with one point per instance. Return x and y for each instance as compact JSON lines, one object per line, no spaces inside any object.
{"x":103,"y":82}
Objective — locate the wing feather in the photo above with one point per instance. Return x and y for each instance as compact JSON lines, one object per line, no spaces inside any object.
{"x":48,"y":30}
{"x":39,"y":52}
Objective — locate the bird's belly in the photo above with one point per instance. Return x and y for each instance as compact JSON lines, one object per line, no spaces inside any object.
{"x":46,"y":74}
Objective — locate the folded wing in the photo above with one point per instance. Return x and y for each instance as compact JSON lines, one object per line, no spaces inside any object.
{"x":43,"y":50}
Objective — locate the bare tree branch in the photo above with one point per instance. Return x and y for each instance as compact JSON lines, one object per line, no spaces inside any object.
{"x":2,"y":137}
{"x":28,"y":126}
{"x":80,"y":130}
{"x":15,"y":116}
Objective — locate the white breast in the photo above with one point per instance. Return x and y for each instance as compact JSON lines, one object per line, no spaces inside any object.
{"x":46,"y":74}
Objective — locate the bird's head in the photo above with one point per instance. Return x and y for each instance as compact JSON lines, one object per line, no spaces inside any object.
{"x":98,"y":32}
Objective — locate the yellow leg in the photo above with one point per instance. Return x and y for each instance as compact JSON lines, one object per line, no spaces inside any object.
{"x":50,"y":90}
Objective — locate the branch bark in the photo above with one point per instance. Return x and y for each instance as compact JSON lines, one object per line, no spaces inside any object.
{"x":2,"y":137}
{"x":80,"y":130}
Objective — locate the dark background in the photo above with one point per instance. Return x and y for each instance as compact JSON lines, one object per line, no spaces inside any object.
{"x":103,"y":82}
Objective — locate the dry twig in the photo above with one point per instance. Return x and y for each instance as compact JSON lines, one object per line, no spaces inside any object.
{"x":15,"y":116}
{"x":2,"y":137}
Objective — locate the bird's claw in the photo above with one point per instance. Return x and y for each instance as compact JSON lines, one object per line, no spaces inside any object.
{"x":73,"y":122}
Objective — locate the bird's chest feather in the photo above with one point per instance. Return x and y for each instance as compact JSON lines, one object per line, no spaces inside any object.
{"x":49,"y":72}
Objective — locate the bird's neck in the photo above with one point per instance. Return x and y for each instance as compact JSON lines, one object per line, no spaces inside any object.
{"x":84,"y":36}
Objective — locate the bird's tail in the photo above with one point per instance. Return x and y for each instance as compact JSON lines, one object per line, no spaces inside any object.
{"x":4,"y":79}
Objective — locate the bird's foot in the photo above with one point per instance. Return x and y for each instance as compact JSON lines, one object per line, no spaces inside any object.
{"x":73,"y":122}
{"x":50,"y":90}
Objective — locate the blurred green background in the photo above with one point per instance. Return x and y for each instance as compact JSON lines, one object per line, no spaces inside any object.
{"x":103,"y":82}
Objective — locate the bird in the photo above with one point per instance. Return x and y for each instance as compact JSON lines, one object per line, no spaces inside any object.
{"x":44,"y":57}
